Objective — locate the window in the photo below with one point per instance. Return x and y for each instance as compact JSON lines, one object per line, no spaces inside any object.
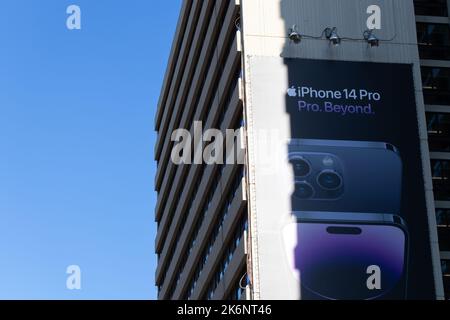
{"x":436,"y":85}
{"x":434,"y":41}
{"x":431,"y":8}
{"x":441,"y":179}
{"x":443,"y":218}
{"x":438,"y":125}
{"x":446,"y":274}
{"x":443,"y":222}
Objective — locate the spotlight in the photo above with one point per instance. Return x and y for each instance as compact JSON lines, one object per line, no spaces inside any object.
{"x":371,"y":39}
{"x":294,"y":36}
{"x":332,"y":35}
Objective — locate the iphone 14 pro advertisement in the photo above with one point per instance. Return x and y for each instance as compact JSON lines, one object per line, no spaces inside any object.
{"x":359,"y":196}
{"x":345,"y":216}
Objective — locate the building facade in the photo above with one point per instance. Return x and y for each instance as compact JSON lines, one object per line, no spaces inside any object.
{"x":433,"y":33}
{"x":201,"y":209}
{"x":207,"y":215}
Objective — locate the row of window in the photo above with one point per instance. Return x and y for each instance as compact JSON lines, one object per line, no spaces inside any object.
{"x":183,"y":221}
{"x":227,"y":257}
{"x":225,"y":105}
{"x":202,"y":81}
{"x":183,"y":181}
{"x":171,"y":177}
{"x":193,"y":237}
{"x":183,"y":31}
{"x":226,"y":53}
{"x":434,"y":43}
{"x":162,"y":132}
{"x":218,"y":226}
{"x":197,"y":226}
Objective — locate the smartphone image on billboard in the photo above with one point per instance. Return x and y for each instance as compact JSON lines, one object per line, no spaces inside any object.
{"x":351,"y":241}
{"x":345,"y":176}
{"x":356,"y":256}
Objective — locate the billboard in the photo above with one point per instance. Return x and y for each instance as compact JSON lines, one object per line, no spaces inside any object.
{"x":338,"y":188}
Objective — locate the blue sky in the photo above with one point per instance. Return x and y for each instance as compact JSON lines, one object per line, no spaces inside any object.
{"x":76,"y":136}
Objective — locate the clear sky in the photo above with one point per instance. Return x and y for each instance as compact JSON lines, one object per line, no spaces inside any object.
{"x":76,"y":136}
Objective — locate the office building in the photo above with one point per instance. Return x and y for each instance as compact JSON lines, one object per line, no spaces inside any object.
{"x":212,"y":240}
{"x":201,"y":209}
{"x":433,"y":33}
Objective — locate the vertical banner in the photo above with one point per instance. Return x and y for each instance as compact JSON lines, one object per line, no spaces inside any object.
{"x":339,"y":188}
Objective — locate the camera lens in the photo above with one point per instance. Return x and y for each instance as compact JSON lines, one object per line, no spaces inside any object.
{"x":329,"y":180}
{"x":301,"y":167}
{"x":303,"y":190}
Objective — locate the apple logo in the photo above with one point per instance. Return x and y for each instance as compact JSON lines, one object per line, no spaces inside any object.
{"x":292,"y":92}
{"x":328,"y":162}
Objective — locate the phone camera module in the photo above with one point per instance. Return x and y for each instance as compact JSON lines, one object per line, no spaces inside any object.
{"x":303,"y":190}
{"x":329,"y":180}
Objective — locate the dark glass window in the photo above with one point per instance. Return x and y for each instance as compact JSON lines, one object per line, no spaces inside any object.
{"x":431,"y":7}
{"x":438,"y":125}
{"x":436,"y":85}
{"x":443,"y":222}
{"x":434,"y":41}
{"x":446,"y":267}
{"x":443,"y":218}
{"x":446,"y":274}
{"x":441,"y":179}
